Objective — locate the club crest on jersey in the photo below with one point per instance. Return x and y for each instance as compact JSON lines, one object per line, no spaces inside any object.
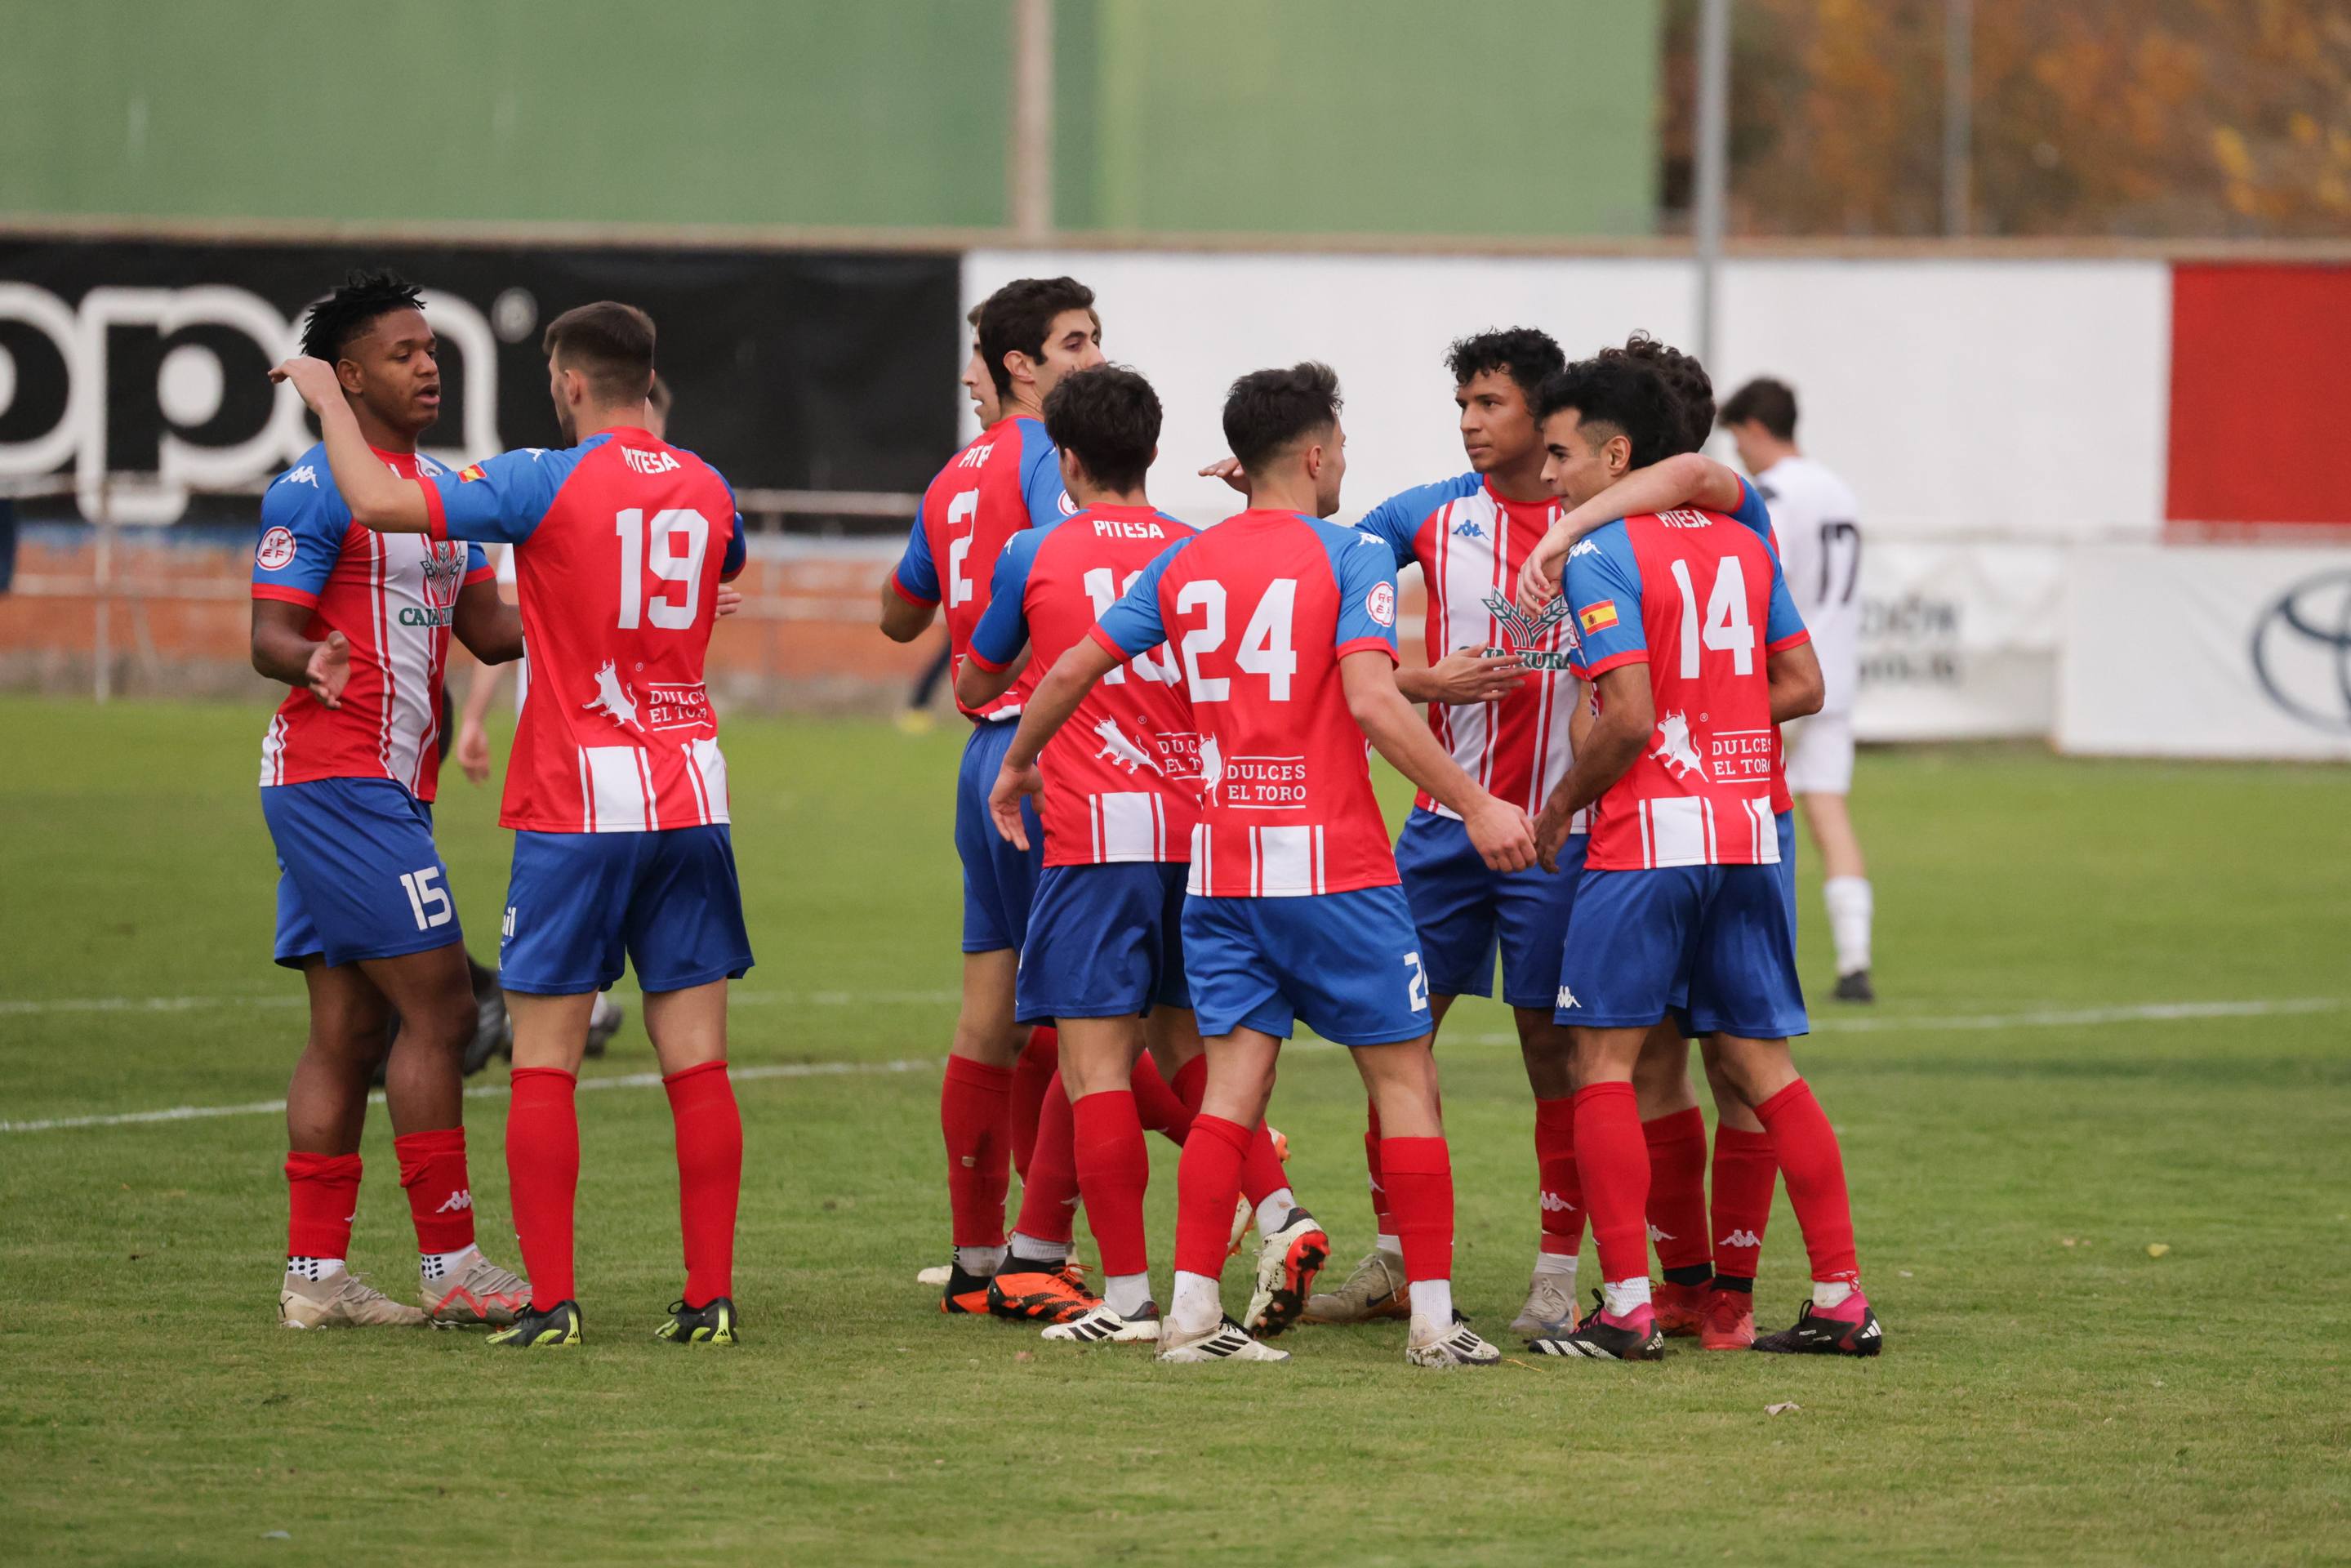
{"x":1598,"y":617}
{"x":1524,"y":634}
{"x":276,"y":549}
{"x":649,"y":462}
{"x":1380,"y":604}
{"x":612,"y":697}
{"x":1674,"y":748}
{"x":1068,"y":508}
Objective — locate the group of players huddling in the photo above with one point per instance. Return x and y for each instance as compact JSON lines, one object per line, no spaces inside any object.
{"x":1613,"y":647}
{"x":1152,"y":897}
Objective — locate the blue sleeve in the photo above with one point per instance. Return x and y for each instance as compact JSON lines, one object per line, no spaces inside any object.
{"x":1367,"y":595}
{"x":1134,"y":625}
{"x":1604,"y":594}
{"x":478,"y":561}
{"x":501,"y":499}
{"x":301,"y":538}
{"x":917,"y":577}
{"x":1752,"y":512}
{"x":738,"y":552}
{"x":1396,"y":522}
{"x":1040,"y":476}
{"x":1783,"y":625}
{"x":995,"y":642}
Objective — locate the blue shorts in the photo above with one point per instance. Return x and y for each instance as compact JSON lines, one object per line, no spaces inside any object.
{"x":577,"y":902}
{"x":1346,"y":963}
{"x":1641,"y":942}
{"x":1464,"y":910}
{"x":1786,"y":821}
{"x":357,"y":877}
{"x":999,"y":882}
{"x":1104,"y":941}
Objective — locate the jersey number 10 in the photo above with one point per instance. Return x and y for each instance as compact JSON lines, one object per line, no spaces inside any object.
{"x":655,"y":548}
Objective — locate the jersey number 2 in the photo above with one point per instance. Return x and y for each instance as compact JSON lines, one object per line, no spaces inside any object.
{"x":655,"y":549}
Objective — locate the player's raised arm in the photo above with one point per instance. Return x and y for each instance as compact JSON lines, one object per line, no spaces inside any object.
{"x":1686,"y":479}
{"x":379,"y":498}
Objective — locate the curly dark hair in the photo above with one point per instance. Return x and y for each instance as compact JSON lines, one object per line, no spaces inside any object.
{"x":1529,"y":355}
{"x":1692,"y":388}
{"x":347,"y":313}
{"x":1624,"y":394}
{"x":1265,"y":411}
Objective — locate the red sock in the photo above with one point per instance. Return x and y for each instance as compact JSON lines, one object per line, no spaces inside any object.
{"x":322,"y":1194}
{"x":1114,"y":1170}
{"x":1806,"y":1149}
{"x":1049,"y":1190}
{"x":709,"y":1177}
{"x":1262,"y":1173}
{"x":1418,"y":1174}
{"x":543,"y":1177}
{"x":1031,"y":1071}
{"x":440,"y":1199}
{"x":1614,"y":1160}
{"x":1677,"y":1189}
{"x":1157,"y":1107}
{"x":1561,"y":1190}
{"x":1191,"y":1081}
{"x":1744,"y":1175}
{"x":1383,"y":1216}
{"x":975,"y":1110}
{"x":1208,"y":1185}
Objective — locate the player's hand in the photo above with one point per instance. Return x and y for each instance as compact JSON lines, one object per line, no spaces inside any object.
{"x":1538,"y":579}
{"x":1503,"y":837}
{"x":330,"y":666}
{"x":1004,"y":802}
{"x":1551,"y":832}
{"x":1470,"y":675}
{"x":314,"y":379}
{"x":729,"y":600}
{"x":473,"y":751}
{"x":1229,"y":469}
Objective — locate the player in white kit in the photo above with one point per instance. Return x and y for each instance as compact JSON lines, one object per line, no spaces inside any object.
{"x":1820,"y":548}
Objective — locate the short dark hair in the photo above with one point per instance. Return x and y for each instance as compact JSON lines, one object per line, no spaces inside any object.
{"x":1016,"y":317}
{"x":1109,"y":416}
{"x":347,"y":313}
{"x":1527,"y":353}
{"x":1692,"y":388}
{"x":1265,"y":411}
{"x":609,"y":343}
{"x":660,"y":397}
{"x":1622,"y":393}
{"x":1765,"y":402}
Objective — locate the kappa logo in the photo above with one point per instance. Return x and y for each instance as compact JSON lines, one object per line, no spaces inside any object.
{"x":645,"y":462}
{"x":1567,"y":1000}
{"x":275,"y":550}
{"x":1469,"y":530}
{"x":1674,"y":748}
{"x":304,"y":474}
{"x":1740,"y":1239}
{"x":1119,"y":750}
{"x":1586,"y":546}
{"x":457,"y":1202}
{"x":613,"y":698}
{"x":1658,"y":1235}
{"x":1552,"y":1203}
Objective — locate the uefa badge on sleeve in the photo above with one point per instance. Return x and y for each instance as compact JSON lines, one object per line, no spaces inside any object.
{"x":276,"y":549}
{"x":1380,"y":604}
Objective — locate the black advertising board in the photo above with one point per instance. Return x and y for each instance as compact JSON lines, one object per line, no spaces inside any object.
{"x":792,"y":370}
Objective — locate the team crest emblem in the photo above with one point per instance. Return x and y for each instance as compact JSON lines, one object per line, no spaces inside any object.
{"x":1068,"y":508}
{"x":276,"y":549}
{"x":1380,"y":604}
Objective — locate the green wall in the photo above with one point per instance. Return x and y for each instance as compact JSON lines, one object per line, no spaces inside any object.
{"x":1300,"y":116}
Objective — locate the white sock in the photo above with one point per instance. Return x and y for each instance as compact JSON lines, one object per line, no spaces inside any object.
{"x":1029,"y":1250}
{"x":314,"y":1268}
{"x":1432,"y":1307}
{"x":441,"y":1265}
{"x":1391,"y":1245}
{"x":979,"y":1261}
{"x":1197,"y":1305}
{"x":1623,"y":1295}
{"x":1827,"y":1293}
{"x":1849,"y":907}
{"x":1127,"y":1294}
{"x":1274,"y":1212}
{"x":1558,"y":1263}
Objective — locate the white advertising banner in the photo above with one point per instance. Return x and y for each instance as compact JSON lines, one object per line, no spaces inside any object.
{"x":1957,"y":641}
{"x":2195,"y":651}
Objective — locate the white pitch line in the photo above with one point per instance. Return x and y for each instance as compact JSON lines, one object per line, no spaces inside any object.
{"x":2051,"y":1018}
{"x":191,"y":1004}
{"x":480,"y":1091}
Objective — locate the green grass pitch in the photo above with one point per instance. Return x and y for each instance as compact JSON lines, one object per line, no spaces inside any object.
{"x":2050,"y":1391}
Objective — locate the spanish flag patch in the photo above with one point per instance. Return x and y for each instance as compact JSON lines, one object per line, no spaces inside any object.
{"x":1598,"y":617}
{"x":469,"y":473}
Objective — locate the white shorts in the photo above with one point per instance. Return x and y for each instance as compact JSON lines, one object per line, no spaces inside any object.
{"x":1819,"y":754}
